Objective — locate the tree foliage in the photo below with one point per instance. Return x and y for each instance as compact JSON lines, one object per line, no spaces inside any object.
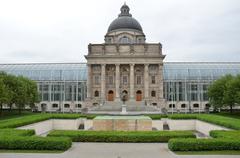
{"x":17,"y":90}
{"x":225,"y":92}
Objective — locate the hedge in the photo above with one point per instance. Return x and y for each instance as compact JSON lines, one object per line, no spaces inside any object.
{"x":225,"y":134}
{"x":228,"y":122}
{"x":16,"y":132}
{"x":25,"y":120}
{"x":203,"y":144}
{"x":156,"y":116}
{"x":34,"y":143}
{"x":120,"y":136}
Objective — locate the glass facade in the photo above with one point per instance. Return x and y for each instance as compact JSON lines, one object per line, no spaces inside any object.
{"x":185,"y":83}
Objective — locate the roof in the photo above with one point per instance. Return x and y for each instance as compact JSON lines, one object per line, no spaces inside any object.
{"x":78,"y":71}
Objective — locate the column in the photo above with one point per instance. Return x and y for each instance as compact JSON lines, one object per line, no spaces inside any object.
{"x":103,"y":84}
{"x":131,"y":81}
{"x":146,"y":81}
{"x":161,"y":81}
{"x":117,"y":81}
{"x":89,"y":82}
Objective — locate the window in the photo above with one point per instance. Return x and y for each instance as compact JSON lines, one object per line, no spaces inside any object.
{"x":125,"y":39}
{"x":195,"y":105}
{"x":55,"y":105}
{"x":125,"y":80}
{"x":97,"y":80}
{"x":153,"y":94}
{"x":110,"y":80}
{"x":207,"y":105}
{"x":66,"y":106}
{"x":183,"y":106}
{"x":194,"y":87}
{"x":139,"y":80}
{"x":153,"y":80}
{"x":154,"y":104}
{"x":78,"y":105}
{"x":205,"y":87}
{"x":96,"y":94}
{"x":171,"y":105}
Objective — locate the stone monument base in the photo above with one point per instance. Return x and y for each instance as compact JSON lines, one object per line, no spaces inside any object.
{"x":122,"y":123}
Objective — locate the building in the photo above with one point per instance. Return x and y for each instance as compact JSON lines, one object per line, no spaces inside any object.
{"x":124,"y":63}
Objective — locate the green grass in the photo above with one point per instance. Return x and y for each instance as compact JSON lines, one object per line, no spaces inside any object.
{"x":222,"y":152}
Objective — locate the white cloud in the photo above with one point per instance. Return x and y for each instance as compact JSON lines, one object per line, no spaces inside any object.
{"x":60,"y":30}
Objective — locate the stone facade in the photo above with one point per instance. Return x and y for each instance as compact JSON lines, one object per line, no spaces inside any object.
{"x":125,"y":63}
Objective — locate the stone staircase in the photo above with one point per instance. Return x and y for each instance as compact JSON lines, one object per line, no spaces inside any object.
{"x":116,"y":106}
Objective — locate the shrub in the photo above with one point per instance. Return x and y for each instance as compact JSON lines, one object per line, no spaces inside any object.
{"x":225,"y":134}
{"x":25,"y":120}
{"x":182,"y":116}
{"x":120,"y":136}
{"x":203,"y":144}
{"x":221,"y":120}
{"x":34,"y":143}
{"x":211,"y":118}
{"x":156,"y":116}
{"x":16,"y":132}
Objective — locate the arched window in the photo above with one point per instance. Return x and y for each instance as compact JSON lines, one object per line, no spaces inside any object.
{"x":124,"y":39}
{"x":78,"y":105}
{"x":66,"y":106}
{"x":195,"y":105}
{"x":183,"y":106}
{"x":96,"y":94}
{"x":55,"y":105}
{"x":153,"y":93}
{"x":171,"y":105}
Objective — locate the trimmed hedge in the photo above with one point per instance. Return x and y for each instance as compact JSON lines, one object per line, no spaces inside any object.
{"x":203,"y":144}
{"x":25,"y":120}
{"x":120,"y":136}
{"x":182,"y":116}
{"x":16,"y":132}
{"x":156,"y":116}
{"x":34,"y":143}
{"x":225,"y":134}
{"x":211,"y":118}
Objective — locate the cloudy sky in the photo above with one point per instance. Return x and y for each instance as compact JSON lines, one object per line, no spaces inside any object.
{"x":60,"y":30}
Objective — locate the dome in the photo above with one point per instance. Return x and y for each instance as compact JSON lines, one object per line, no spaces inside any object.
{"x":125,"y":21}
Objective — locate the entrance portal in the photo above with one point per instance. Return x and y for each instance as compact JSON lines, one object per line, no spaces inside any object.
{"x":139,"y":96}
{"x":110,"y":95}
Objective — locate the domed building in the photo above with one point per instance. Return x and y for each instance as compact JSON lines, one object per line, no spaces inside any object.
{"x":125,"y":64}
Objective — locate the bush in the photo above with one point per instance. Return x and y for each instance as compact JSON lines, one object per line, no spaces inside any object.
{"x":25,"y":120}
{"x":120,"y":136}
{"x":228,"y":122}
{"x":16,"y":132}
{"x":221,"y":120}
{"x":34,"y":143}
{"x":225,"y":134}
{"x":157,"y":116}
{"x":182,"y":116}
{"x":203,"y":144}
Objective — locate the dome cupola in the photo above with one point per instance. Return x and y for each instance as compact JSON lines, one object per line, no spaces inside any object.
{"x":125,"y":21}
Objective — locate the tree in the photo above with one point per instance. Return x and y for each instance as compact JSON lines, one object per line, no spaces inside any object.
{"x":231,"y":94}
{"x":10,"y":82}
{"x":4,"y":97}
{"x":225,"y":92}
{"x":216,"y":91}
